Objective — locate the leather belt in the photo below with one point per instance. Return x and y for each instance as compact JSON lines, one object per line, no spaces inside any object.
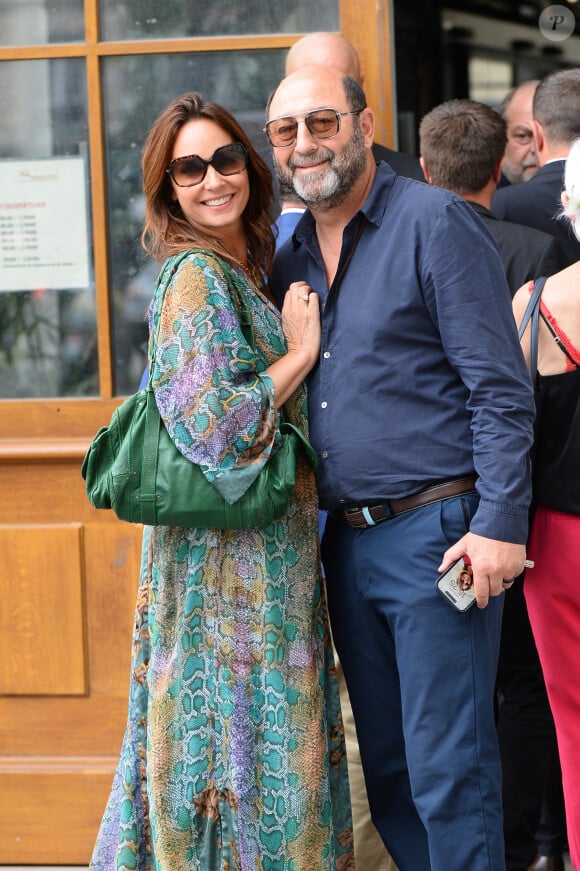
{"x":365,"y":516}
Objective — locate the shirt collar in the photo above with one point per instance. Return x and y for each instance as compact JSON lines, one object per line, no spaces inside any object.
{"x":373,"y":208}
{"x":481,"y":210}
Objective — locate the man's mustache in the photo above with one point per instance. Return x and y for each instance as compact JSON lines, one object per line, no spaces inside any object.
{"x":304,"y":161}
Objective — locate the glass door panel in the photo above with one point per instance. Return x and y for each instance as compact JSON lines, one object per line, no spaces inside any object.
{"x":149,"y":19}
{"x":136,"y":90}
{"x":48,"y":344}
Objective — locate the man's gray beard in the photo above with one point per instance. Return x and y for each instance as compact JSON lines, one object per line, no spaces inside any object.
{"x":338,"y":180}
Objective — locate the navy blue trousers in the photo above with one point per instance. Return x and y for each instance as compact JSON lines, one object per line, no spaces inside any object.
{"x":421,"y":680}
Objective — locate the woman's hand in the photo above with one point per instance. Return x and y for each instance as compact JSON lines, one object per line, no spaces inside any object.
{"x":301,"y":321}
{"x":301,"y":326}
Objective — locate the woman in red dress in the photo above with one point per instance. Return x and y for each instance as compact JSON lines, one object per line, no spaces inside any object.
{"x":552,"y":587}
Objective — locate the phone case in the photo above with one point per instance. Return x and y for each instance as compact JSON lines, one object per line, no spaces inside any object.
{"x":456,"y":585}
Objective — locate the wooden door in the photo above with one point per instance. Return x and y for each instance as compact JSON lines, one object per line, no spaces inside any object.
{"x":68,"y":573}
{"x":68,"y":576}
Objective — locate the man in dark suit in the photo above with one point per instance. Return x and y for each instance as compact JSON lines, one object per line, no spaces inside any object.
{"x":556,"y":124}
{"x":462,"y":147}
{"x":333,"y":50}
{"x":520,"y":162}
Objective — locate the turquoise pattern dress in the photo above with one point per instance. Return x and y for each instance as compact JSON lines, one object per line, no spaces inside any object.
{"x":233,"y":757}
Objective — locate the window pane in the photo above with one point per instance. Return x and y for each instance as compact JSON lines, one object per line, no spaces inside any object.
{"x":142,"y":19}
{"x":489,"y":79}
{"x":37,"y":22}
{"x":136,"y":90}
{"x":48,"y":343}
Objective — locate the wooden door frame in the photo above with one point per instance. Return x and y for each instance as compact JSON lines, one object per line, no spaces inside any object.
{"x":42,"y":443}
{"x":367,"y":23}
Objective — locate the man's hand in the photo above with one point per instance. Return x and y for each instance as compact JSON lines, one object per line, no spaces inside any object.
{"x":493,"y":563}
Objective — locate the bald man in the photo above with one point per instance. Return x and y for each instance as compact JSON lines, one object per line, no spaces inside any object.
{"x":520,"y":159}
{"x":421,"y":412}
{"x":326,"y":50}
{"x":333,"y":50}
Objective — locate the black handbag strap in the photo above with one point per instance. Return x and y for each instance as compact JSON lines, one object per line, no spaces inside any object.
{"x":533,"y":312}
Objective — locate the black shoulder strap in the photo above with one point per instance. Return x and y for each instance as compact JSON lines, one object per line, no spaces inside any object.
{"x":559,"y":341}
{"x":533,"y":311}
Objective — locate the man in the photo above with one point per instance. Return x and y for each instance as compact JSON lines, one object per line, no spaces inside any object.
{"x":416,"y":388}
{"x":291,"y":210}
{"x":462,"y":147}
{"x":556,"y":125}
{"x":520,"y":162}
{"x":369,"y":851}
{"x":333,"y":50}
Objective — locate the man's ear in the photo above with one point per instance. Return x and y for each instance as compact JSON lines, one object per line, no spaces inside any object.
{"x":367,"y":124}
{"x":425,"y":169}
{"x":539,"y":137}
{"x":496,"y":175}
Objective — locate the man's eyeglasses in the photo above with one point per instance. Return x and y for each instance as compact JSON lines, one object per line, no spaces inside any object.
{"x":322,"y":123}
{"x":189,"y":170}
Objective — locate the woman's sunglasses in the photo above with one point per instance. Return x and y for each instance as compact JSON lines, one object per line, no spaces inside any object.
{"x":191,"y":169}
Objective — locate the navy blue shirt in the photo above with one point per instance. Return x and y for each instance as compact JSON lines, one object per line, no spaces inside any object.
{"x":421,"y":378}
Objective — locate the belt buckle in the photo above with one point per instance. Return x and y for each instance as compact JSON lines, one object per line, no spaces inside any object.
{"x":350,"y":513}
{"x":367,"y":518}
{"x":353,"y":514}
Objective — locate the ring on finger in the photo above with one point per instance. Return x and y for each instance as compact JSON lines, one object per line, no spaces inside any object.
{"x":508,"y":582}
{"x":305,"y":297}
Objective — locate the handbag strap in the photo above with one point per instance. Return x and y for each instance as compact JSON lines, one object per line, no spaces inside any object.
{"x":533,"y":312}
{"x":164,"y":280}
{"x":148,"y":500}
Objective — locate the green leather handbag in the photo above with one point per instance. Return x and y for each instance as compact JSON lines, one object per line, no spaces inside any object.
{"x":133,"y":466}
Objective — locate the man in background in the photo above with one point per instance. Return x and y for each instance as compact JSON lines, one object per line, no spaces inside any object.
{"x":556,"y":124}
{"x":291,"y":210}
{"x":462,"y":145}
{"x":520,"y":161}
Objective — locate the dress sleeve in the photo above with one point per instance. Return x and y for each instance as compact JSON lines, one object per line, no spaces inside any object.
{"x":213,"y":396}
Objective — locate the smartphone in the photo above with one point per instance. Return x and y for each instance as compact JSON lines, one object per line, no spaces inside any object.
{"x":456,"y":585}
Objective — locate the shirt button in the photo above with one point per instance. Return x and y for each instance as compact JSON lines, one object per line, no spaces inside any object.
{"x":324,"y":455}
{"x":323,"y":404}
{"x":326,"y":355}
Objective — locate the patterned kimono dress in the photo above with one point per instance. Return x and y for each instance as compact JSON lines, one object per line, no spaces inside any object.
{"x":233,"y":757}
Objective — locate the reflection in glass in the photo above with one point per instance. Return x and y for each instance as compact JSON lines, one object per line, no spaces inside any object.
{"x":38,"y":22}
{"x":136,"y":90}
{"x":48,"y":344}
{"x":143,"y":19}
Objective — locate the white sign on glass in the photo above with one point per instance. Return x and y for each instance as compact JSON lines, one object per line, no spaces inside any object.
{"x":43,"y":224}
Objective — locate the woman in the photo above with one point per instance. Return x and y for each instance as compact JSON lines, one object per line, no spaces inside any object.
{"x":552,"y":587}
{"x":233,"y":756}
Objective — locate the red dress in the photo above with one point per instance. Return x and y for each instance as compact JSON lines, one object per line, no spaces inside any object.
{"x":552,"y":587}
